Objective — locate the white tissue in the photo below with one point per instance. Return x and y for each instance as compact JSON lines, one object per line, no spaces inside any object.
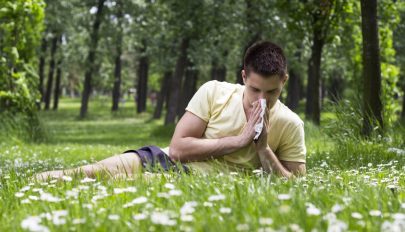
{"x":259,"y":126}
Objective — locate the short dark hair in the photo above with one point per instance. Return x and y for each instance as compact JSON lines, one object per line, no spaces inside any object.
{"x":265,"y":58}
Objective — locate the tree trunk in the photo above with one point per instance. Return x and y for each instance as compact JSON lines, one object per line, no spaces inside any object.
{"x":371,"y":68}
{"x":71,"y":87}
{"x":56,"y":93}
{"x":313,"y":103}
{"x":403,"y":102}
{"x":293,"y":91}
{"x":49,"y":84}
{"x":161,"y":99}
{"x":90,"y":66}
{"x":218,"y":71}
{"x":167,"y":96}
{"x":176,"y":82}
{"x":117,"y":71}
{"x":336,"y":86}
{"x":254,"y":34}
{"x":41,"y":71}
{"x":188,"y":89}
{"x":142,"y":87}
{"x":218,"y":68}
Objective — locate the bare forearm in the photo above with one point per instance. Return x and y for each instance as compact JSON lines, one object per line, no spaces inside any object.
{"x":197,"y":149}
{"x":271,"y":163}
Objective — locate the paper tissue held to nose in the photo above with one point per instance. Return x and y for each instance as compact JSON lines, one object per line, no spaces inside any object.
{"x":259,"y":126}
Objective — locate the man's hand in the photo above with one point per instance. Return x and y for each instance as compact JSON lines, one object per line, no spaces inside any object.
{"x":248,"y":133}
{"x":261,"y":143}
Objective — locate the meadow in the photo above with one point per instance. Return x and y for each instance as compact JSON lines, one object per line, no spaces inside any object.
{"x":351,"y":184}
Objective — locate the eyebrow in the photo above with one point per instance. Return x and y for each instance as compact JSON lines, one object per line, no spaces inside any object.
{"x":266,"y":91}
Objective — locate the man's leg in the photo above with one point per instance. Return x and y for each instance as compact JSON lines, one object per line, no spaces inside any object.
{"x":123,"y":164}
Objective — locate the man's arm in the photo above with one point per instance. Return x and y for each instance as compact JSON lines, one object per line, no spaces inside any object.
{"x":296,"y":168}
{"x":269,"y":160}
{"x":271,"y":163}
{"x":188,"y":145}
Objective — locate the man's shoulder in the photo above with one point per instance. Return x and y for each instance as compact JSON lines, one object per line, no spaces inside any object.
{"x":287,"y":117}
{"x":220,"y":86}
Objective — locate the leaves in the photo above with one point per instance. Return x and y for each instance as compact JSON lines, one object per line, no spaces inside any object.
{"x":21,"y":28}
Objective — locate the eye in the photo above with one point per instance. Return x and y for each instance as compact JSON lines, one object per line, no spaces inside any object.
{"x":255,"y":90}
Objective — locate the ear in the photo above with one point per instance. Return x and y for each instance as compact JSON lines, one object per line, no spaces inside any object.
{"x":243,"y":73}
{"x":285,"y":78}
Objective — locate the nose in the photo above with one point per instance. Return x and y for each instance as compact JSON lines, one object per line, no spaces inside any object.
{"x":262,"y":95}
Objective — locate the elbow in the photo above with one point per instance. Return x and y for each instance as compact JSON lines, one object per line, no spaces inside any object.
{"x":177,"y":150}
{"x":300,"y":172}
{"x":175,"y":154}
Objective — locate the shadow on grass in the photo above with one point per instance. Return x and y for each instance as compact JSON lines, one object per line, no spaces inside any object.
{"x":101,"y":126}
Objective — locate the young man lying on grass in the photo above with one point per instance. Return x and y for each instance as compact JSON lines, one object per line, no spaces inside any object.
{"x":218,"y":129}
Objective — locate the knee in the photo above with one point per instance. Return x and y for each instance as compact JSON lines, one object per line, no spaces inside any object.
{"x":131,"y":161}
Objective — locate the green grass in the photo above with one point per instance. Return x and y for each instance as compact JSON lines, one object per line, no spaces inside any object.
{"x":346,"y":181}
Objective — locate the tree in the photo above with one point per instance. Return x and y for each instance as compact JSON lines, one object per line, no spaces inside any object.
{"x":293,"y":90}
{"x":176,"y":82}
{"x":20,"y":31}
{"x":58,"y":19}
{"x":142,"y":86}
{"x":41,"y":68}
{"x":399,"y":45}
{"x":147,"y":26}
{"x":51,"y":71}
{"x":56,"y":93}
{"x":371,"y":68}
{"x":324,"y":14}
{"x":225,"y":19}
{"x":254,"y":28}
{"x":218,"y":71}
{"x":162,"y":95}
{"x":117,"y":70}
{"x":188,"y":37}
{"x":403,"y":101}
{"x":189,"y":87}
{"x":90,"y":62}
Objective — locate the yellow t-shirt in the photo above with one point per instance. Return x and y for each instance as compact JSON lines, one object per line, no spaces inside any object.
{"x":220,"y":105}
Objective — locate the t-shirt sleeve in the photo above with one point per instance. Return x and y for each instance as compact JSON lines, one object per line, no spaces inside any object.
{"x":200,"y":103}
{"x":293,"y":145}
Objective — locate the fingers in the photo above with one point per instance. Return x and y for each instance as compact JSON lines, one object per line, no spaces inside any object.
{"x":259,"y":112}
{"x":266,"y":121}
{"x":255,"y":114}
{"x":254,"y":120}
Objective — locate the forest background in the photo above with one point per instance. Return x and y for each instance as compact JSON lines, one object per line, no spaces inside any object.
{"x":81,"y":80}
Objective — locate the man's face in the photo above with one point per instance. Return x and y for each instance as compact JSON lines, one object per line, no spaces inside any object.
{"x":257,"y":87}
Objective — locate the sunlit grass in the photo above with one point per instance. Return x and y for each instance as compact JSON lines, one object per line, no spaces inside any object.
{"x":355,"y":185}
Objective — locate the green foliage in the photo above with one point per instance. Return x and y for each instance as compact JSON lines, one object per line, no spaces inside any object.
{"x":389,"y":20}
{"x":346,"y":56}
{"x":19,"y":127}
{"x":20,"y":30}
{"x":348,"y":122}
{"x":350,"y":148}
{"x":20,"y":27}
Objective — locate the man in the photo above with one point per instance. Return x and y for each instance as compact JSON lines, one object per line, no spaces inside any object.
{"x":217,"y":130}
